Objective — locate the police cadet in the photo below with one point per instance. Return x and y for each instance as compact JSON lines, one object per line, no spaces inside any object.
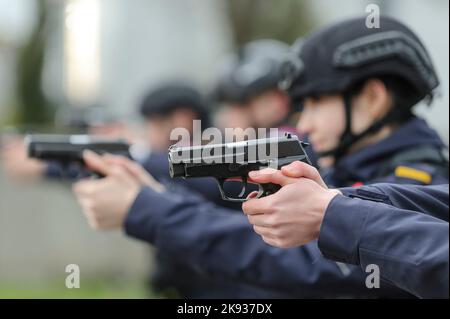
{"x":371,"y":226}
{"x":356,"y":87}
{"x":371,"y":79}
{"x":248,"y":86}
{"x":223,"y":245}
{"x":168,"y":106}
{"x":174,"y":104}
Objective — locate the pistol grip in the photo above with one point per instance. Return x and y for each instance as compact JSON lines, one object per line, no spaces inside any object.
{"x":267,"y":189}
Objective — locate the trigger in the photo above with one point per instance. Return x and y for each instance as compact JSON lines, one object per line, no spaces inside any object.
{"x":244,"y":180}
{"x":260,"y":191}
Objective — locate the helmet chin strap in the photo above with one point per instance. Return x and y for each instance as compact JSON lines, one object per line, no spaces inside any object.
{"x":348,"y":138}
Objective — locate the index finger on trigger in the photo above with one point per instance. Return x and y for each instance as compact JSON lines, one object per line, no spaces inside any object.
{"x":96,"y":162}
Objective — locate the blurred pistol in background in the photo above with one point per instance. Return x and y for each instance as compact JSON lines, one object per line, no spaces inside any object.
{"x":235,"y":160}
{"x":67,"y":150}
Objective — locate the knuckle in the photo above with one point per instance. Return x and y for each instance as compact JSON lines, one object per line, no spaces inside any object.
{"x":93,"y":206}
{"x":280,"y":243}
{"x":273,"y":221}
{"x":269,"y":206}
{"x":267,"y":240}
{"x":116,"y":171}
{"x":87,"y":211}
{"x":98,"y":220}
{"x":78,"y":188}
{"x":277,"y":233}
{"x":274,"y":217}
{"x":283,"y":243}
{"x":278,"y":175}
{"x":282,"y":235}
{"x":245,"y":207}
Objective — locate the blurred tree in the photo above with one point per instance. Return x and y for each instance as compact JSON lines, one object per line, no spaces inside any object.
{"x":284,"y":20}
{"x":32,"y":105}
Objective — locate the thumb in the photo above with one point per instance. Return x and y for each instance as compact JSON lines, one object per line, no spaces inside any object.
{"x":299,"y":169}
{"x":136,"y":170}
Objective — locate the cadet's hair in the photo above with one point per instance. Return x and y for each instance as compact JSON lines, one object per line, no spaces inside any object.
{"x":403,"y":94}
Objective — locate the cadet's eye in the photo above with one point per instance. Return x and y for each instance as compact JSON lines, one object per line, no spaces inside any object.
{"x":315,"y":99}
{"x":299,"y":105}
{"x":308,"y":107}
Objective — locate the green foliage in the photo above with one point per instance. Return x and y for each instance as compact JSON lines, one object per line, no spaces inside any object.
{"x":95,"y":289}
{"x":32,"y":105}
{"x":284,"y":20}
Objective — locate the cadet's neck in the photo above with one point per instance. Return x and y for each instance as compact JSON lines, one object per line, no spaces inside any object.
{"x":372,"y":139}
{"x":326,"y":162}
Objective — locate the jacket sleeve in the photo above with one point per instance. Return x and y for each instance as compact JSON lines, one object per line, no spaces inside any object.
{"x":55,"y":170}
{"x":410,"y":247}
{"x":431,"y":200}
{"x":223,"y":245}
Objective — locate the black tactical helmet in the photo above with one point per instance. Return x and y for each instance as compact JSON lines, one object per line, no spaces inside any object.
{"x":253,"y":70}
{"x":169,"y":97}
{"x":340,"y":56}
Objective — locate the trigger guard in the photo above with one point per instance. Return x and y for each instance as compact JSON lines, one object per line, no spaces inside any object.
{"x":220,"y":182}
{"x":242,"y":191}
{"x":244,"y":180}
{"x":260,"y":191}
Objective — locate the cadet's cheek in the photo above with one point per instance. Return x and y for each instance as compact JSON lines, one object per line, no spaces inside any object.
{"x":329,"y":121}
{"x":330,"y":133}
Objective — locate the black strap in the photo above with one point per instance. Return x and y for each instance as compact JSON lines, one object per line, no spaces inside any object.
{"x":349,"y":139}
{"x":348,"y":116}
{"x":347,"y":136}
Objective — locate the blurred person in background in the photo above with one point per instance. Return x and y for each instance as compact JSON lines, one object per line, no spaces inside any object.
{"x":91,"y":120}
{"x":169,"y":106}
{"x":247,"y":88}
{"x":16,"y":163}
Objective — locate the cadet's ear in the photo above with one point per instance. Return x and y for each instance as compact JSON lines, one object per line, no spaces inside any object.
{"x":377,"y":98}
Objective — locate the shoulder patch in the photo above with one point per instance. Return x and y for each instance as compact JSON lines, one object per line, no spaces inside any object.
{"x":414,"y":174}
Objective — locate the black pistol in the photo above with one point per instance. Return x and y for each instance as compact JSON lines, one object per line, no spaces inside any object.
{"x":68,"y":149}
{"x":236,"y":160}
